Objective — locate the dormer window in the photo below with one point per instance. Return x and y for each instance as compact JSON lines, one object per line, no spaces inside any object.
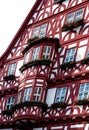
{"x":40,"y":31}
{"x":46,"y":52}
{"x":70,"y":55}
{"x":35,"y":55}
{"x":11,"y":69}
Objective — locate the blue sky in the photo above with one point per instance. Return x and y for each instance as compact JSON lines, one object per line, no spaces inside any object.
{"x":12,"y":15}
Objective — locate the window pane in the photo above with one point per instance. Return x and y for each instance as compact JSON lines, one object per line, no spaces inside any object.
{"x":35,"y":55}
{"x":70,"y":17}
{"x":70,"y":55}
{"x":83,"y":91}
{"x":11,"y":69}
{"x":60,"y":95}
{"x":43,"y":30}
{"x":79,"y":14}
{"x":37,"y":94}
{"x":36,"y":31}
{"x":10,"y":102}
{"x":46,"y":52}
{"x":27,"y":94}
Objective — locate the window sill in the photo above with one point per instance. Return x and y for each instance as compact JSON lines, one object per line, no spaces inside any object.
{"x":35,"y":63}
{"x":59,"y":105}
{"x":30,"y":103}
{"x":67,"y":65}
{"x":70,"y":26}
{"x":37,"y":40}
{"x":9,"y":77}
{"x":82,"y":102}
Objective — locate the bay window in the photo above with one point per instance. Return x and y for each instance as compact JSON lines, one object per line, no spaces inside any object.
{"x":37,"y":94}
{"x":27,"y":94}
{"x":46,"y":52}
{"x":35,"y":54}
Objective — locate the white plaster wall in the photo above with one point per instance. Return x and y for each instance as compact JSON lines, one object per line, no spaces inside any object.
{"x":50,"y":96}
{"x":81,"y":53}
{"x":19,"y":64}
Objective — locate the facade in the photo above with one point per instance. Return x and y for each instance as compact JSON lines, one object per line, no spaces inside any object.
{"x":44,"y":73}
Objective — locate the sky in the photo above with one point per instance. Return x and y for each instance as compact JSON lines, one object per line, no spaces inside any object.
{"x":12,"y":15}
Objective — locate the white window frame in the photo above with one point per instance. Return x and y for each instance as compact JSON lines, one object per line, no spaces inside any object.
{"x":35,"y":55}
{"x":37,"y":94}
{"x":60,"y":94}
{"x":27,"y":94}
{"x":70,"y":55}
{"x":11,"y":69}
{"x":83,"y":90}
{"x":19,"y":97}
{"x":10,"y":102}
{"x":79,"y":14}
{"x":46,"y":52}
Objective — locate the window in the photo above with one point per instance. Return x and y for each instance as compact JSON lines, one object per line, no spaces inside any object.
{"x":37,"y":94}
{"x":60,"y":95}
{"x":79,"y":14}
{"x":27,"y":94}
{"x":70,"y":17}
{"x":11,"y":69}
{"x":40,"y":31}
{"x":74,"y":16}
{"x":36,"y":53}
{"x":70,"y":55}
{"x":19,"y":97}
{"x":10,"y":102}
{"x":43,"y":30}
{"x":83,"y":91}
{"x":46,"y":52}
{"x":36,"y":31}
